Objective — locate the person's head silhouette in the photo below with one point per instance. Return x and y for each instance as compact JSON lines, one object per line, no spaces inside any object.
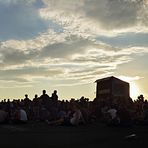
{"x":44,"y":92}
{"x":55,"y":92}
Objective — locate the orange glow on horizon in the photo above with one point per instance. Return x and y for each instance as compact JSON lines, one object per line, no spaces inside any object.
{"x":134,"y":90}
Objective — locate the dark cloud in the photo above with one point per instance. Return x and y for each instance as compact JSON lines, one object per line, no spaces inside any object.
{"x":10,"y":56}
{"x":113,"y":14}
{"x":26,"y":74}
{"x":65,"y":49}
{"x":126,"y":40}
{"x":89,"y":69}
{"x":103,"y":59}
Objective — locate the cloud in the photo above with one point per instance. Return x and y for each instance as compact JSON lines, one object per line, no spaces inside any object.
{"x":67,"y":48}
{"x":28,"y":74}
{"x":64,"y":41}
{"x":11,"y":56}
{"x":14,"y":57}
{"x":80,"y":59}
{"x":82,"y":18}
{"x":93,"y":17}
{"x":130,"y":79}
{"x":113,"y":14}
{"x":126,"y":40}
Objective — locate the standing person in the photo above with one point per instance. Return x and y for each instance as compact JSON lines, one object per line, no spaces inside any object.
{"x":54,"y":105}
{"x":35,"y":99}
{"x":145,"y":111}
{"x":26,"y":100}
{"x":27,"y":106}
{"x":54,"y":96}
{"x":45,"y":99}
{"x":36,"y":108}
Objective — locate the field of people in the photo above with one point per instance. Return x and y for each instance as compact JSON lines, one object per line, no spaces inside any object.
{"x":41,"y":135}
{"x":46,"y":122}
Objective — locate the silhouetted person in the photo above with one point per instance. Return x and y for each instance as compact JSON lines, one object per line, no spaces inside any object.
{"x":35,"y":99}
{"x":54,"y":105}
{"x":3,"y":115}
{"x":145,"y":111}
{"x":26,"y":100}
{"x":74,"y":117}
{"x":54,"y":96}
{"x":45,"y":99}
{"x":36,"y":108}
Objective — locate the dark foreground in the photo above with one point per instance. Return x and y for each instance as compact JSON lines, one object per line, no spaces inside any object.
{"x":40,"y":135}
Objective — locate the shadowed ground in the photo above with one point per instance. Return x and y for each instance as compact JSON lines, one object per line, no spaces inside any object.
{"x":40,"y":135}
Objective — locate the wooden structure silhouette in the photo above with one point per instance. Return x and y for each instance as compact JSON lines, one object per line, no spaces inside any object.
{"x":111,"y":90}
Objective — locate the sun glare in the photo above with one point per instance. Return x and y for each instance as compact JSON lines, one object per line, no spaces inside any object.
{"x":134,"y":90}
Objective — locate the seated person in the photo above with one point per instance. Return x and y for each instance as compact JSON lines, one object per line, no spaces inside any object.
{"x":3,"y":116}
{"x":20,"y":116}
{"x":113,"y":118}
{"x":77,"y":116}
{"x":74,"y":117}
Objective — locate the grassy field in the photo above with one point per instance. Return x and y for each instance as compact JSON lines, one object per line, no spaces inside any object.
{"x":40,"y":135}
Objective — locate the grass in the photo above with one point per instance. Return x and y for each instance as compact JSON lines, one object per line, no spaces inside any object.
{"x":40,"y":135}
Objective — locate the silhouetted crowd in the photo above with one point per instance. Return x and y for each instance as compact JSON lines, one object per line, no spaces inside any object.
{"x":51,"y":110}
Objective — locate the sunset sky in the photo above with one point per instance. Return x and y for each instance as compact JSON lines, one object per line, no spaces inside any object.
{"x":67,"y":44}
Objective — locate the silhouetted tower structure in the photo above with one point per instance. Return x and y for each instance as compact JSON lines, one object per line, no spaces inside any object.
{"x":111,"y":90}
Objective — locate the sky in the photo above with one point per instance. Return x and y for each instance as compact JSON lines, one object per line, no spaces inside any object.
{"x":68,"y":44}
